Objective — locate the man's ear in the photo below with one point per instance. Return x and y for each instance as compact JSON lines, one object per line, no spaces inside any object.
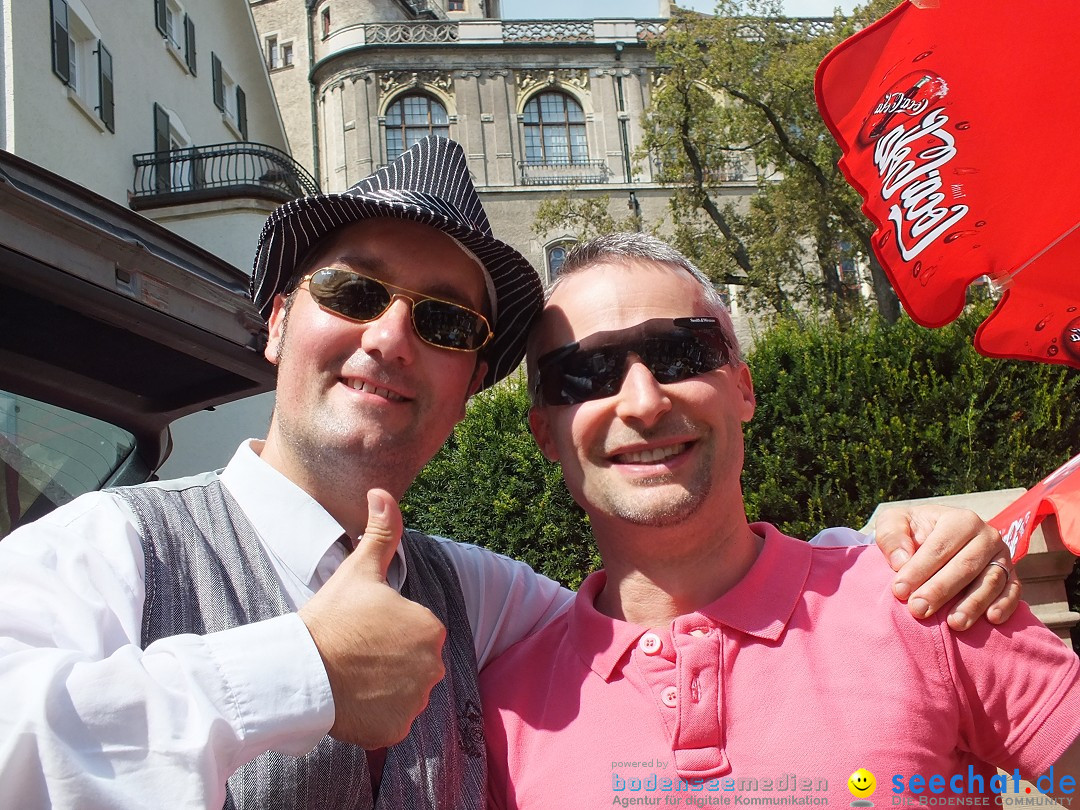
{"x":276,"y":328}
{"x":746,"y":388}
{"x":541,"y":431}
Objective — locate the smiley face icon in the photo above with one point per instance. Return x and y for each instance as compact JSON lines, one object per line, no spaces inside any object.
{"x":862,"y":784}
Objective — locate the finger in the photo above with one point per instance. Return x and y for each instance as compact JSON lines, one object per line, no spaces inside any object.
{"x":966,"y":567}
{"x":381,"y":536}
{"x":894,"y":537}
{"x":977,"y":598}
{"x":1003,"y":607}
{"x":953,"y":548}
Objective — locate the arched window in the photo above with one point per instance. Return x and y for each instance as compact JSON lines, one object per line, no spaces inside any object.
{"x":555,"y":130}
{"x":556,"y":255}
{"x":411,"y":118}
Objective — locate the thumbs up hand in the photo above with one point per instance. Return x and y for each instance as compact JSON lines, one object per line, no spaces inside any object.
{"x":382,"y":652}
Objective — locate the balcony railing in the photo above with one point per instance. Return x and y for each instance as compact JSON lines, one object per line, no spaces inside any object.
{"x":563,"y":172}
{"x":219,"y":171}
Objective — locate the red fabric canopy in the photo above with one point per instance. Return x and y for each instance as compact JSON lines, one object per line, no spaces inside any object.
{"x":1058,"y":494}
{"x":956,"y":124}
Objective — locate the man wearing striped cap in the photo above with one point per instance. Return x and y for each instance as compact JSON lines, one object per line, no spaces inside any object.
{"x":212,"y":641}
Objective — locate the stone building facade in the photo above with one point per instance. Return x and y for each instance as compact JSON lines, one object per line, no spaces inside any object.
{"x":542,"y":107}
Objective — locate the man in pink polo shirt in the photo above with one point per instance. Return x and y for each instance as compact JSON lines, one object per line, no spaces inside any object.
{"x":717,"y":662}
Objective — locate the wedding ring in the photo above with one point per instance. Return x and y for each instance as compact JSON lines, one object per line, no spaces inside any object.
{"x":1003,"y":567}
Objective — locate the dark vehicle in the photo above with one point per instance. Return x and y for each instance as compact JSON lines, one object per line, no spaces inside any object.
{"x":111,"y":328}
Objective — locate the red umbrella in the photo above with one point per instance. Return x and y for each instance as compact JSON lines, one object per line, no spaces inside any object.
{"x":1057,"y":494}
{"x":955,"y":121}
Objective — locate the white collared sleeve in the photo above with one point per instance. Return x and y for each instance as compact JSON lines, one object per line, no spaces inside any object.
{"x":505,"y":599}
{"x":89,"y":719}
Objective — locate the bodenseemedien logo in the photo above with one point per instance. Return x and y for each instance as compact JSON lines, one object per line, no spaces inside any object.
{"x":862,"y":785}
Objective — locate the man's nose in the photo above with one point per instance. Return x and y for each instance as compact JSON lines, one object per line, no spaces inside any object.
{"x":391,"y":335}
{"x":641,"y":398}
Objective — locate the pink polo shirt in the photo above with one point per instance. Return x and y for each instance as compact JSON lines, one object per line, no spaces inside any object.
{"x":773,"y":695}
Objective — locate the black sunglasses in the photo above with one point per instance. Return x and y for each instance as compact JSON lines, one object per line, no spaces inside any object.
{"x":594,"y":367}
{"x":361,"y":298}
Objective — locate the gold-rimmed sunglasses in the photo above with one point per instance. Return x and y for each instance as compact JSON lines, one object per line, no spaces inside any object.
{"x":361,"y":298}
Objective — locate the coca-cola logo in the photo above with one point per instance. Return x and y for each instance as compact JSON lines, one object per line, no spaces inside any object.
{"x":909,"y":161}
{"x":900,"y":103}
{"x":909,"y":96}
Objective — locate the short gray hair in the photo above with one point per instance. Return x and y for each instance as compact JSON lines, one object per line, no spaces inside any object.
{"x":628,"y":246}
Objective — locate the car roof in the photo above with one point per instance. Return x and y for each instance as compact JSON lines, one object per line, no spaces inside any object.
{"x":109,"y":314}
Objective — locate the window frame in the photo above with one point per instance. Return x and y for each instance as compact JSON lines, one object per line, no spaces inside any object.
{"x":565,"y":246}
{"x":278,"y":52}
{"x":229,"y":97}
{"x":174,"y":33}
{"x":79,"y":57}
{"x":404,"y":127}
{"x":271,"y":44}
{"x":576,"y":139}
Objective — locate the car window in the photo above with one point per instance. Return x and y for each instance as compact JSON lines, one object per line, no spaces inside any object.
{"x":49,"y":456}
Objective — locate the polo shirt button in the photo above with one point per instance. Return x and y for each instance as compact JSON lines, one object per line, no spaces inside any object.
{"x":650,"y":644}
{"x":670,"y":696}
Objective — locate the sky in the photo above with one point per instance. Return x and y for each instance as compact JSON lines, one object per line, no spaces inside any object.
{"x":644,"y":9}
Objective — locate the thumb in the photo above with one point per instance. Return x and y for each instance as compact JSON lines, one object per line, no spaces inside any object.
{"x":381,"y":536}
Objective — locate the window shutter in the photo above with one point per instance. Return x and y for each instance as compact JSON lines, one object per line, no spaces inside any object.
{"x":105,"y":88}
{"x":61,"y":63}
{"x":160,"y":18}
{"x":219,"y":86}
{"x":241,"y":112}
{"x":161,"y":148}
{"x":189,"y":43}
{"x":74,"y":79}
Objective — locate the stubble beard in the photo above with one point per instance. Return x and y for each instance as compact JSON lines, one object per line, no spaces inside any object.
{"x":647,"y":509}
{"x":636,"y":502}
{"x":655,"y":501}
{"x":336,"y":453}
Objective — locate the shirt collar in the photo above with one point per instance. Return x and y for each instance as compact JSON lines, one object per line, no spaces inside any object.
{"x":292,"y":524}
{"x":760,"y":604}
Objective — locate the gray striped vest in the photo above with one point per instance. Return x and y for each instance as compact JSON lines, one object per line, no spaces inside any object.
{"x":206,"y":571}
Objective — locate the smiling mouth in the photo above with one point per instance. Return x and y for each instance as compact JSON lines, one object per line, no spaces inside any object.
{"x":368,"y":388}
{"x":651,"y":456}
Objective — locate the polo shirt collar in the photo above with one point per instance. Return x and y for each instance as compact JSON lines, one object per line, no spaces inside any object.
{"x":292,"y":524}
{"x":760,"y":604}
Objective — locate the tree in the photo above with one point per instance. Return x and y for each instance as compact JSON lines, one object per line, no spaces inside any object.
{"x":736,"y":94}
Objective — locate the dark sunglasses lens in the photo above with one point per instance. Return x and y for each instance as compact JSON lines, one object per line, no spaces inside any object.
{"x":585,"y":375}
{"x":448,"y":325}
{"x":582,"y":376}
{"x":355,"y":297}
{"x":673,"y":359}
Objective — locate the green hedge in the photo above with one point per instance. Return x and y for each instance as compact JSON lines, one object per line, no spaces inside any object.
{"x":845,"y":419}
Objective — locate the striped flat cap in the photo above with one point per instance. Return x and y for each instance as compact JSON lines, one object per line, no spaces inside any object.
{"x":429,"y":184}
